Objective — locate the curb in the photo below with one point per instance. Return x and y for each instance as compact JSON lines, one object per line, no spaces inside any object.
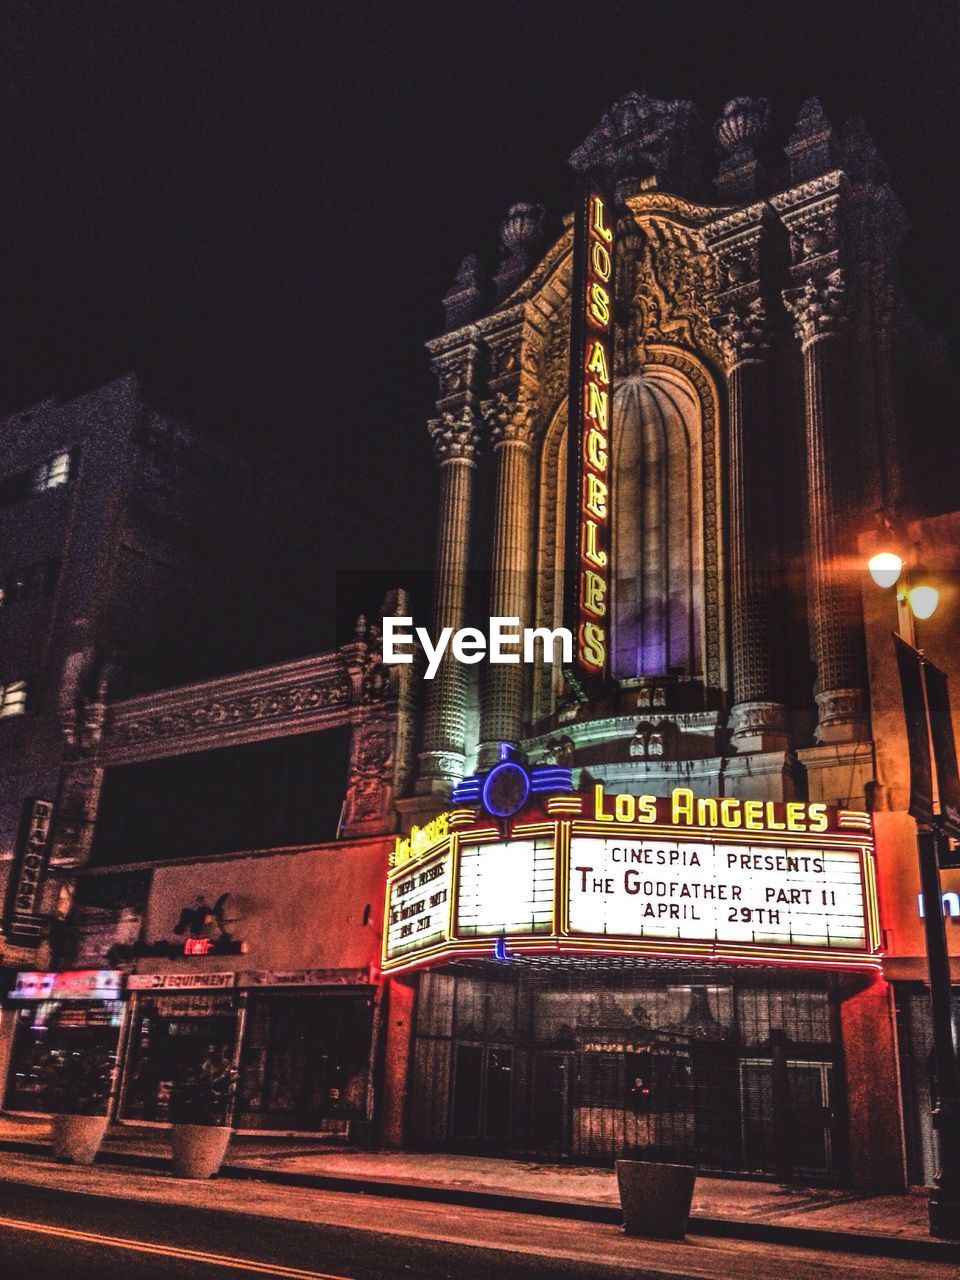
{"x":827,"y":1240}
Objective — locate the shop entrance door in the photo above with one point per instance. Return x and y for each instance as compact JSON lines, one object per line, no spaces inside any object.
{"x":810,"y":1090}
{"x":482,"y":1093}
{"x":788,"y":1128}
{"x":550,"y":1103}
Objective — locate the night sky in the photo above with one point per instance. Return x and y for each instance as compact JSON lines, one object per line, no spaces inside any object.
{"x":259,"y":206}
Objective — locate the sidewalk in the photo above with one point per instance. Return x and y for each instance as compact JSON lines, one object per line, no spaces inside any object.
{"x":824,"y":1218}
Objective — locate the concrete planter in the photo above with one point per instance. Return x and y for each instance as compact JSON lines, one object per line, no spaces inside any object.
{"x":655,"y":1198}
{"x":198,"y":1149}
{"x":76,"y":1139}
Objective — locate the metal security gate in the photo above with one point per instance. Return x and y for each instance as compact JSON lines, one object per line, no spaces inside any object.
{"x":591,"y":1066}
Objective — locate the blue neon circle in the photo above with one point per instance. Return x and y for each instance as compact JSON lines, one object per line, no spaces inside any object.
{"x":496,"y":771}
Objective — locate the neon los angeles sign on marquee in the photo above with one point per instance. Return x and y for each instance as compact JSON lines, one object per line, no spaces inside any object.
{"x":603,"y":873}
{"x":591,"y":369}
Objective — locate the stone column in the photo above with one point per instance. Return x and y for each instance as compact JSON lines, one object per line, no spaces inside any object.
{"x":836,"y":625}
{"x":758,"y":716}
{"x":513,"y":437}
{"x":455,"y":443}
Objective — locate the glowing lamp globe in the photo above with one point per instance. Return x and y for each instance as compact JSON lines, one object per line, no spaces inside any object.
{"x":885,"y":568}
{"x":924,"y":601}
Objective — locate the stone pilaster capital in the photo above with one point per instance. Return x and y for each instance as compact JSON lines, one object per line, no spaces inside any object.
{"x":743,"y":334}
{"x":511,"y":421}
{"x":455,"y":438}
{"x":818,"y":307}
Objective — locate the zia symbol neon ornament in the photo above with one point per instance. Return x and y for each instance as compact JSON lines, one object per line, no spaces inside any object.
{"x":506,"y":787}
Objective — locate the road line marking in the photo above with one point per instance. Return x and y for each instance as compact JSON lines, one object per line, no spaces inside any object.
{"x":171,"y":1251}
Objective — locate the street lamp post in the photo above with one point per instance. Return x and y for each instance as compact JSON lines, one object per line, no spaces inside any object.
{"x":886,"y":569}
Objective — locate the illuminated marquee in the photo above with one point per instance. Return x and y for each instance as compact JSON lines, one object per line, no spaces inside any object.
{"x":701,"y":879}
{"x":591,"y":402}
{"x":419,"y":839}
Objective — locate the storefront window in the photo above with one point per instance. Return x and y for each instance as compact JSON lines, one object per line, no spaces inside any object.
{"x":45,"y":1033}
{"x":172,"y":1034}
{"x":305,"y":1061}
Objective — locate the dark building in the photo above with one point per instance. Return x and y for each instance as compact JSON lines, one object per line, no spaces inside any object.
{"x":135,"y":552}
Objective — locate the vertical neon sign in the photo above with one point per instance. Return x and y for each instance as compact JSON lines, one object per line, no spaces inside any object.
{"x":588,"y":458}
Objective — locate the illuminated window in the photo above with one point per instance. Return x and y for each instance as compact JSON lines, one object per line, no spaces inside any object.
{"x":13,"y":698}
{"x":54,"y":472}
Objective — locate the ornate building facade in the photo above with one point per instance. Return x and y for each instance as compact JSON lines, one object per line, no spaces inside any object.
{"x":762,"y":362}
{"x":571,"y":912}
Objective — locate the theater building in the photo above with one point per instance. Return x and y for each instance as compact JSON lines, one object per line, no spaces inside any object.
{"x":683,"y":409}
{"x":659,"y":899}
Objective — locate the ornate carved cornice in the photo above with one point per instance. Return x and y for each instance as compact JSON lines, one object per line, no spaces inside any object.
{"x":455,"y":439}
{"x":818,"y":307}
{"x":737,"y":242}
{"x":503,"y":335}
{"x":294,"y":697}
{"x":665,"y":204}
{"x":517,"y":341}
{"x":810,"y":213}
{"x":456,"y":360}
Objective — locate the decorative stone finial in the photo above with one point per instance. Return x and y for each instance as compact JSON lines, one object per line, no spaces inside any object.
{"x":743,"y":125}
{"x":812,"y":149}
{"x":461,"y":302}
{"x":521,"y":226}
{"x":642,"y":140}
{"x":519,"y":237}
{"x":861,"y":159}
{"x":739,"y":132}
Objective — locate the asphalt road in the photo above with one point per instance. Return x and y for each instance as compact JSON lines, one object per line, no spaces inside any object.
{"x":50,"y":1233}
{"x":56,"y":1235}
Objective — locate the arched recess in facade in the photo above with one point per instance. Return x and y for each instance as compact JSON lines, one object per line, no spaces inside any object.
{"x":668,"y":603}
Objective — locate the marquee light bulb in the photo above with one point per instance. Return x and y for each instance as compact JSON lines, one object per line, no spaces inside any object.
{"x":885,"y":568}
{"x":924,"y":601}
